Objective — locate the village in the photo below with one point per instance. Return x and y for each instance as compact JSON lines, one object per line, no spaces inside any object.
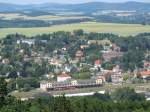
{"x":90,"y":65}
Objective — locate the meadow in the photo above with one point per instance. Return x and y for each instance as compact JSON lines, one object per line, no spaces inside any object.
{"x":120,"y":29}
{"x":13,"y":16}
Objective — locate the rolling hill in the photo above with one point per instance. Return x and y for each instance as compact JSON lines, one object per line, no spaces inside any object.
{"x":84,"y":7}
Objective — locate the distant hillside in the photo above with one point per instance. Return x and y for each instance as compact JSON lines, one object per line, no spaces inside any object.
{"x":85,"y":7}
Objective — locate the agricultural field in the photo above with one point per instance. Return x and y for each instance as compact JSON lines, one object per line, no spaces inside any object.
{"x":13,"y":16}
{"x":120,"y":29}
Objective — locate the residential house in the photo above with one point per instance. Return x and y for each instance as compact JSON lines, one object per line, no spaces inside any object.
{"x":145,"y":74}
{"x":111,"y":54}
{"x":116,"y":75}
{"x":27,"y":41}
{"x":67,"y":68}
{"x":55,"y":62}
{"x":115,"y":48}
{"x":146,"y":65}
{"x":79,"y":55}
{"x":63,"y":77}
{"x":97,"y":63}
{"x":5,"y":61}
{"x":84,"y":46}
{"x":100,"y":42}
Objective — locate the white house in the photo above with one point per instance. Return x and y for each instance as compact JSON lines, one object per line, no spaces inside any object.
{"x":117,"y":76}
{"x":63,"y":77}
{"x":27,"y":41}
{"x":45,"y":85}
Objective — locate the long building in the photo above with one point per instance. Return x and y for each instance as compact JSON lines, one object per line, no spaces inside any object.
{"x":71,"y":84}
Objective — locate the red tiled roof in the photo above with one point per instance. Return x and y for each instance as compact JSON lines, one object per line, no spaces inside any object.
{"x":97,"y":62}
{"x":145,"y":73}
{"x":64,"y":75}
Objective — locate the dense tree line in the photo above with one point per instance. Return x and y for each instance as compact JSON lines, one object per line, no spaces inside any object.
{"x":143,"y":19}
{"x":23,"y":23}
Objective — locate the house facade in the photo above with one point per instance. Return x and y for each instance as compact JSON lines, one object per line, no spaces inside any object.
{"x":63,"y":77}
{"x":72,"y":84}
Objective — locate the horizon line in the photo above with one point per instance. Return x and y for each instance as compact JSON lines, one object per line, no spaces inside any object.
{"x":71,"y":3}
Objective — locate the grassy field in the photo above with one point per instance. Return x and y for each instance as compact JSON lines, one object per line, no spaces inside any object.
{"x":120,"y":29}
{"x":13,"y":16}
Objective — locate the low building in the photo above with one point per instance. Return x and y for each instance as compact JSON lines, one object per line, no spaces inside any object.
{"x":27,"y":41}
{"x":45,"y":85}
{"x":72,"y":84}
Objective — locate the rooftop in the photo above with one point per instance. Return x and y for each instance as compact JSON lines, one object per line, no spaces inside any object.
{"x":145,"y":73}
{"x":63,"y":74}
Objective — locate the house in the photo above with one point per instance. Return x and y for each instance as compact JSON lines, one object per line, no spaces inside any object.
{"x":44,"y":85}
{"x":100,"y":42}
{"x":79,"y":55}
{"x":64,"y":49}
{"x":49,"y":76}
{"x":67,"y":68}
{"x":97,"y":63}
{"x":63,"y":77}
{"x":112,"y":51}
{"x":55,"y":62}
{"x":26,"y":41}
{"x":147,"y":65}
{"x":115,"y":48}
{"x":145,"y":74}
{"x":84,"y":46}
{"x":5,"y":61}
{"x":38,"y":60}
{"x":111,"y":54}
{"x":116,"y":75}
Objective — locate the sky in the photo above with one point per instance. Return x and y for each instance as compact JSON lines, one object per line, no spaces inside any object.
{"x":64,"y":1}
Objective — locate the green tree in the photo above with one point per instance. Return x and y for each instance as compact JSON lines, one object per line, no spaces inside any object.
{"x":127,"y":94}
{"x":61,"y":104}
{"x":3,"y":91}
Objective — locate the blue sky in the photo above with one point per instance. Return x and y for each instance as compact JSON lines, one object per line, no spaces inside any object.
{"x":64,"y":1}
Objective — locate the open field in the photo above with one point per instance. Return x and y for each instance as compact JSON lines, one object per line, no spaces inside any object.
{"x":14,"y":16}
{"x":120,"y":29}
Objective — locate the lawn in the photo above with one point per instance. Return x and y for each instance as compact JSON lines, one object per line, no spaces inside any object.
{"x":120,"y":29}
